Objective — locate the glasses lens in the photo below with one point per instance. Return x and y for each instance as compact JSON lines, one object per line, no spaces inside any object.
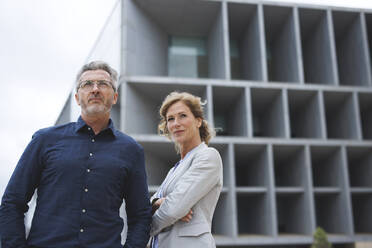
{"x":87,"y":84}
{"x":101,"y":84}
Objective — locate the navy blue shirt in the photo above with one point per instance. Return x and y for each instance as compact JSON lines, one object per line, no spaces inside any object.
{"x":81,"y":181}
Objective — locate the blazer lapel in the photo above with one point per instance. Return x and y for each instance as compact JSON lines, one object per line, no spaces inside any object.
{"x":181,"y":169}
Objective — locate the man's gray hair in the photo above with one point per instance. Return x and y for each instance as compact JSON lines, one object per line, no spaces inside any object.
{"x":98,"y":65}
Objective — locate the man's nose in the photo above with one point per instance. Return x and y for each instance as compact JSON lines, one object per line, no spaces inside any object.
{"x":95,"y":87}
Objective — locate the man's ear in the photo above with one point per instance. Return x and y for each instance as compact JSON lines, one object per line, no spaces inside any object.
{"x":77,"y":98}
{"x":116,"y":95}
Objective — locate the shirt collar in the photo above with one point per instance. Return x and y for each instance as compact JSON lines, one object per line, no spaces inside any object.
{"x":80,"y":125}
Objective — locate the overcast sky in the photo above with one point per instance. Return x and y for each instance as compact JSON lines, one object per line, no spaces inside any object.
{"x":42,"y":45}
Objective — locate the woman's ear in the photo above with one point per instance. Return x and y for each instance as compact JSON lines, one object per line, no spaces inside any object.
{"x":200,"y":122}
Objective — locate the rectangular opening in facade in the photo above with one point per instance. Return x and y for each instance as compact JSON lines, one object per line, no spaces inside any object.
{"x":362,"y":205}
{"x":340,"y":115}
{"x":365,"y":108}
{"x":289,"y":166}
{"x":187,"y":57}
{"x":268,"y":112}
{"x":326,"y":164}
{"x":245,"y":46}
{"x":160,"y":157}
{"x":304,"y":113}
{"x":368,"y":18}
{"x":223,"y":218}
{"x":330,"y":215}
{"x":316,"y":47}
{"x":224,"y":152}
{"x":174,"y":38}
{"x":229,"y":111}
{"x":350,"y":48}
{"x":254,"y":214}
{"x":282,"y":57}
{"x":359,"y":161}
{"x":144,"y":100}
{"x":345,"y":245}
{"x":292,"y":217}
{"x":251,"y":165}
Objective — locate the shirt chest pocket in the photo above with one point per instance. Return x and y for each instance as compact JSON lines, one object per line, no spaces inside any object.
{"x":193,"y":230}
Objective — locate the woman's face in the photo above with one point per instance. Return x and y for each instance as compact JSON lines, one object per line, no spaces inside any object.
{"x":182,"y":124}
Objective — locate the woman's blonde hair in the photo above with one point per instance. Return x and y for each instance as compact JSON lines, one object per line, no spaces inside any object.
{"x":196,"y":107}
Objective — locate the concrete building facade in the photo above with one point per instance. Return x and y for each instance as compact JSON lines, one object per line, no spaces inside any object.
{"x":289,"y":91}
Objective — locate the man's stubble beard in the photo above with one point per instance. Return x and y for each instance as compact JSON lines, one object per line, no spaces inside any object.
{"x":96,"y":108}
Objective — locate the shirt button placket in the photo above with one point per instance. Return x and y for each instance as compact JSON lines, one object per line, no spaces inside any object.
{"x":88,"y":170}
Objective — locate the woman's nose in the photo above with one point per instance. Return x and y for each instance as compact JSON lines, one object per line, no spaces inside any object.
{"x":176,"y":122}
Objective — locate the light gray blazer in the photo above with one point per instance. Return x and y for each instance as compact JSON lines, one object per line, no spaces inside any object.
{"x":195,"y":184}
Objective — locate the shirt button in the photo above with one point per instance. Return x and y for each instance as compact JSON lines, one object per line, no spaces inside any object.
{"x":86,"y":190}
{"x":90,"y":154}
{"x":93,"y":140}
{"x":81,"y":230}
{"x":88,"y":170}
{"x":89,"y":128}
{"x":83,"y":210}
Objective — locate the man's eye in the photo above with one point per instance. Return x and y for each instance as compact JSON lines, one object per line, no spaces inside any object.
{"x":88,"y":83}
{"x":102,"y":84}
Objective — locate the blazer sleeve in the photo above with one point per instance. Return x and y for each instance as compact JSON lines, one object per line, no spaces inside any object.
{"x":203,"y":174}
{"x":154,"y":195}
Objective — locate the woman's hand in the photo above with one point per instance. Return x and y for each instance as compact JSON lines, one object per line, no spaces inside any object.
{"x":156,"y":205}
{"x":159,"y":202}
{"x":187,"y":217}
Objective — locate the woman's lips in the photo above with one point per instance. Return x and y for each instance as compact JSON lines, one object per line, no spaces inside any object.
{"x":178,"y":132}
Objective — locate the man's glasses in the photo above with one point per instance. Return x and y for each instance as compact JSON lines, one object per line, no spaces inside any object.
{"x":101,"y":84}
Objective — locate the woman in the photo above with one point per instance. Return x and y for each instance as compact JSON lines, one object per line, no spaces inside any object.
{"x":184,"y":204}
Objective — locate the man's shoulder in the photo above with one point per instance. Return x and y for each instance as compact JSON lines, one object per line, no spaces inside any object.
{"x":54,"y":130}
{"x":125,"y":138}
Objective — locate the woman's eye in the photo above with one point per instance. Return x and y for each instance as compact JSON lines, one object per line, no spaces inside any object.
{"x":183,"y":115}
{"x":170,"y":119}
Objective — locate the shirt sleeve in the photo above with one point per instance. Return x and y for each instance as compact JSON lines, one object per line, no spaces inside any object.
{"x":203,"y":174}
{"x":18,"y":193}
{"x":138,"y":205}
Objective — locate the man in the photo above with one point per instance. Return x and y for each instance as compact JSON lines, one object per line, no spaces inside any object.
{"x":82,"y":172}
